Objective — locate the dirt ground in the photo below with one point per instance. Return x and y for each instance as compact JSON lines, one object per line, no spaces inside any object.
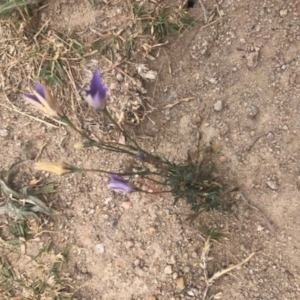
{"x":238,"y":81}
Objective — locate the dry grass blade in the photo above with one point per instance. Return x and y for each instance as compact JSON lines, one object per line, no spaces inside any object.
{"x":217,"y":275}
{"x":204,"y":11}
{"x":227,"y":270}
{"x":178,"y":101}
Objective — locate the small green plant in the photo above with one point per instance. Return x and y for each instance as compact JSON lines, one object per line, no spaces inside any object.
{"x":10,"y":5}
{"x":22,"y":205}
{"x":51,"y":73}
{"x":212,"y":233}
{"x":139,"y":11}
{"x":19,"y":230}
{"x":166,"y":22}
{"x":109,"y":45}
{"x":130,"y":46}
{"x":7,"y":276}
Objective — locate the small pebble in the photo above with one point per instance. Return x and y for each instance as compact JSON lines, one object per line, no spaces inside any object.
{"x":152,"y":298}
{"x":100,"y":248}
{"x":168,"y":270}
{"x":3,"y":132}
{"x":175,"y":275}
{"x":222,"y":160}
{"x":270,"y":136}
{"x":252,"y":111}
{"x":136,"y":262}
{"x":213,"y":80}
{"x":218,"y":106}
{"x":180,"y":283}
{"x":151,"y":230}
{"x":283,"y":13}
{"x":285,"y":127}
{"x":272,"y":184}
{"x":186,"y":269}
{"x":126,"y":204}
{"x":119,"y":77}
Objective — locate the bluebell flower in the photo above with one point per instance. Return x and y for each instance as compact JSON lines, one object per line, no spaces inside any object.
{"x":96,"y":95}
{"x":120,"y":185}
{"x":42,"y":99}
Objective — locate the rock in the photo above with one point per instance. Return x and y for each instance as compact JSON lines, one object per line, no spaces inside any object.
{"x":126,"y":204}
{"x":152,"y":298}
{"x":193,"y":292}
{"x":168,"y":270}
{"x":212,"y":80}
{"x":119,"y":77}
{"x":100,"y":248}
{"x":175,"y":275}
{"x":272,"y":184}
{"x":3,"y":132}
{"x":151,"y":230}
{"x":180,"y":283}
{"x":283,"y":13}
{"x":285,"y":127}
{"x":270,"y":136}
{"x":222,"y":160}
{"x":137,"y":262}
{"x":218,"y":106}
{"x":186,"y":269}
{"x":252,"y":111}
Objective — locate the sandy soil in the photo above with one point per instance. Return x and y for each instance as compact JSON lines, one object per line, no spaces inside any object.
{"x":242,"y":75}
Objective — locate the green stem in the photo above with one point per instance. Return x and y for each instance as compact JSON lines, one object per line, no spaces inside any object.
{"x":80,"y":170}
{"x":69,"y":123}
{"x":106,"y":112}
{"x":104,"y":146}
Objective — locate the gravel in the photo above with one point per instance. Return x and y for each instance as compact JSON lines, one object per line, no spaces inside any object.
{"x":3,"y":132}
{"x":168,"y":270}
{"x":218,"y":106}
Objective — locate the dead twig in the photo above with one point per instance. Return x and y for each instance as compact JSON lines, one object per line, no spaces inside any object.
{"x":254,"y":142}
{"x":204,"y":11}
{"x":218,"y":274}
{"x":204,"y":259}
{"x":178,"y":101}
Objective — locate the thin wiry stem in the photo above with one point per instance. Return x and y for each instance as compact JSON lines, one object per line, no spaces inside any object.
{"x":82,"y":170}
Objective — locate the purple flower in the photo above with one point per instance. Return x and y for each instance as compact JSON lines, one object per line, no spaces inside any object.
{"x":44,"y":101}
{"x":96,"y":95}
{"x":40,"y":90}
{"x":120,"y":185}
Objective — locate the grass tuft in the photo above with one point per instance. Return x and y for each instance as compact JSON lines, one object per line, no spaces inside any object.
{"x":12,"y":5}
{"x":168,"y":22}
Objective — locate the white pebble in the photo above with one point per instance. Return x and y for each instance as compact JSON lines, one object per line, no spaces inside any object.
{"x":3,"y":132}
{"x":218,"y":106}
{"x":168,"y":270}
{"x":100,"y":248}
